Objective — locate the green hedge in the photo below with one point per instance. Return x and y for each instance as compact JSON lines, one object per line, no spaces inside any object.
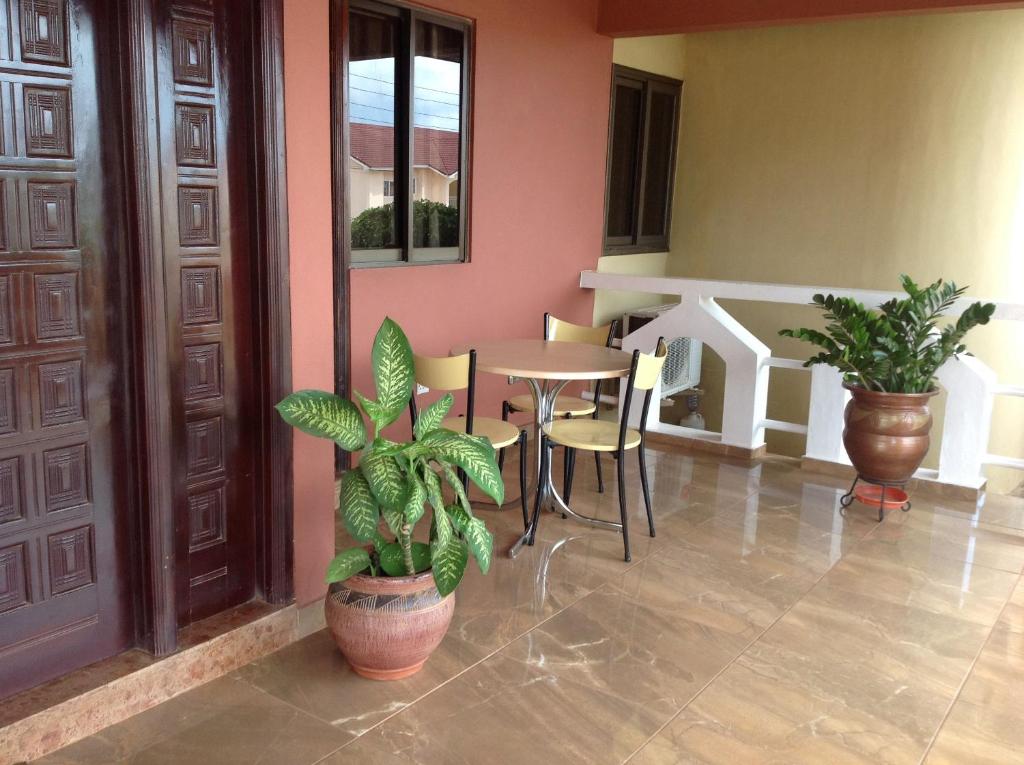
{"x":435,"y":224}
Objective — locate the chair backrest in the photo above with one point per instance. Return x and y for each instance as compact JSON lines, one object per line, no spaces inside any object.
{"x":649,"y":366}
{"x":567,"y":332}
{"x":446,"y":373}
{"x":643,"y":374}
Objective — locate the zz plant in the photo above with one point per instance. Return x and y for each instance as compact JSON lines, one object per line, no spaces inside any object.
{"x":898,"y":348}
{"x":398,"y":481}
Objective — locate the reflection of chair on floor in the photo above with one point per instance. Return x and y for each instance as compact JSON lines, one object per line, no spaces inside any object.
{"x":568,"y":406}
{"x":453,"y":373}
{"x":603,"y":436}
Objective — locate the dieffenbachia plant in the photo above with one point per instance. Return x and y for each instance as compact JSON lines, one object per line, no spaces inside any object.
{"x":398,"y":481}
{"x":898,"y":348}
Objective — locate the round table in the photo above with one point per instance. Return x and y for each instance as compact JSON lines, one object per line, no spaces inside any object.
{"x":547,"y":366}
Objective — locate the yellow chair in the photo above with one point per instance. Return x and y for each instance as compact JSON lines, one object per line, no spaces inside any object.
{"x":568,"y":406}
{"x":452,"y":373}
{"x":603,"y":436}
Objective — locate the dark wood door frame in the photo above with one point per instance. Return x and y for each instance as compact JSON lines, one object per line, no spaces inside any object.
{"x":150,"y":386}
{"x":340,"y":151}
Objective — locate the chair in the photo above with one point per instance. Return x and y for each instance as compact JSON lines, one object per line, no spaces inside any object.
{"x":452,"y":373}
{"x":603,"y":436}
{"x":565,"y":405}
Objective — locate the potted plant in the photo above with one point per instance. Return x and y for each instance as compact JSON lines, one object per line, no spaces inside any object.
{"x":889,"y":358}
{"x":391,"y":599}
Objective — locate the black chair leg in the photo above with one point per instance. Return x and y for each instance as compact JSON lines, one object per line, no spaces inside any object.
{"x":522,"y":479}
{"x":505,"y":409}
{"x":570,"y":471}
{"x":647,"y":490}
{"x":622,"y":505}
{"x":600,"y":476}
{"x":545,"y":456}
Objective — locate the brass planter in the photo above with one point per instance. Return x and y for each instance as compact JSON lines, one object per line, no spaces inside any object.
{"x":887,"y":434}
{"x":387,"y":627}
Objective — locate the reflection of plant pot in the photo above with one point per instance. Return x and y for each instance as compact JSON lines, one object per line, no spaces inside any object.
{"x":387,"y":627}
{"x":886,"y":434}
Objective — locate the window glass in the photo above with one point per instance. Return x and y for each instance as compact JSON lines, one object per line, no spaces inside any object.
{"x":658,"y":169}
{"x":437,"y":140}
{"x":626,"y":124}
{"x":372,"y":181}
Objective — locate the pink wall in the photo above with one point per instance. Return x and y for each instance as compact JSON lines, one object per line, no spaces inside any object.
{"x":307,"y":122}
{"x":630,"y":18}
{"x":540,"y":117}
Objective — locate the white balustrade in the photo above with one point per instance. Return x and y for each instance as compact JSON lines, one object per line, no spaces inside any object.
{"x":970,"y":384}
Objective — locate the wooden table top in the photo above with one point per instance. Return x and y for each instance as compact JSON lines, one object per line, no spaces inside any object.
{"x":548,"y":360}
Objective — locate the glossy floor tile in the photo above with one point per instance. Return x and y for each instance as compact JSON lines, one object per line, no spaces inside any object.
{"x":763,"y":623}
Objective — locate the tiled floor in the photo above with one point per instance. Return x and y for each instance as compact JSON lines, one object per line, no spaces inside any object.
{"x":761,"y":626}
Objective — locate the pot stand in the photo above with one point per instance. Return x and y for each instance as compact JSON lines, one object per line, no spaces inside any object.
{"x":897,"y":495}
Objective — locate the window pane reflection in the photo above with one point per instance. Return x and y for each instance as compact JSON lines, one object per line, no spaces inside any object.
{"x":373,"y":42}
{"x":437,"y":126}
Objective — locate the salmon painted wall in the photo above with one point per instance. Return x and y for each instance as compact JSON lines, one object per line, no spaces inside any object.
{"x":540,"y":119}
{"x":307,"y":124}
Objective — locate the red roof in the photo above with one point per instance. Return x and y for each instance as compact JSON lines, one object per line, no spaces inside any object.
{"x":374,"y":146}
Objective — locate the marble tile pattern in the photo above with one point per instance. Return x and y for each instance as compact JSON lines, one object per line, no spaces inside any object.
{"x":761,"y":625}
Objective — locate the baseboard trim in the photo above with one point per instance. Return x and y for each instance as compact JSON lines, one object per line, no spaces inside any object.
{"x":924,"y":486}
{"x":42,"y":720}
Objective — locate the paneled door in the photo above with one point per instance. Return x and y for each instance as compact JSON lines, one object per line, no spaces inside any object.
{"x":205,"y":91}
{"x":63,"y":521}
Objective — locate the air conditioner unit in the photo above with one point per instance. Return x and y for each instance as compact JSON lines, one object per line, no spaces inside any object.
{"x":682,"y":367}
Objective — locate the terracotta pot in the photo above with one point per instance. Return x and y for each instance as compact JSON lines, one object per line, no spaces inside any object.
{"x":387,"y":627}
{"x":886,"y":434}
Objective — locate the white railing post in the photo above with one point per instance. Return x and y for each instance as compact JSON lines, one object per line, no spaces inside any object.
{"x":970,"y":393}
{"x":745,"y":357}
{"x":825,"y":415}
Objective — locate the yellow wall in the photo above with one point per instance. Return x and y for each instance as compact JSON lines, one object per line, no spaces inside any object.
{"x":842,"y":154}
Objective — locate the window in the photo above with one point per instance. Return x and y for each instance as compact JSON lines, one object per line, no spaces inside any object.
{"x":408,"y":75}
{"x":641,"y":161}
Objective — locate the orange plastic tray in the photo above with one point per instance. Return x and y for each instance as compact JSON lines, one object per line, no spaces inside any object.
{"x":871,"y":494}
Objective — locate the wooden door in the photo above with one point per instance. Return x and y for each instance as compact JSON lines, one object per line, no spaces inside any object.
{"x":64,"y":598}
{"x":206,"y":144}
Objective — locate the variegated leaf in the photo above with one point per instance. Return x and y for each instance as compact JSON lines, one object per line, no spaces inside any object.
{"x":392,"y":370}
{"x":430,"y":418}
{"x":474,"y":454}
{"x":460,"y":491}
{"x":325,"y":415}
{"x":358,"y":507}
{"x":372,"y":409}
{"x":386,"y":479}
{"x":433,"y":484}
{"x":448,"y":558}
{"x":393,"y":561}
{"x":417,"y":497}
{"x":394,"y":519}
{"x":346,"y":564}
{"x":479,"y":539}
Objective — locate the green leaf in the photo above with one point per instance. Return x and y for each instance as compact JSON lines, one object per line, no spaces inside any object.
{"x":373,"y":410}
{"x":448,"y":558}
{"x":430,"y":418}
{"x":433,"y":484}
{"x":394,"y":518}
{"x":479,"y":539}
{"x":358,"y":507}
{"x":417,"y":497}
{"x":473,"y":454}
{"x":460,"y":491}
{"x":346,"y":564}
{"x":325,"y":415}
{"x":393,"y":370}
{"x":393,"y":563}
{"x":386,"y":479}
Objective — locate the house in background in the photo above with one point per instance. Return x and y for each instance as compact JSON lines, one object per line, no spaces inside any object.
{"x":372,"y":170}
